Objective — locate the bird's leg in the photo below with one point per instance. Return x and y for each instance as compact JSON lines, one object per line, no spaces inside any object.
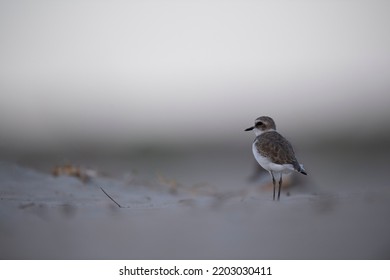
{"x":280,"y":185}
{"x":273,"y":181}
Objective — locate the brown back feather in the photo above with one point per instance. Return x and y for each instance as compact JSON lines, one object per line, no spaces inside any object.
{"x":275,"y":147}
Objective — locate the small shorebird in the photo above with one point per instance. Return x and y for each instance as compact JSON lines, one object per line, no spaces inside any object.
{"x":272,"y":151}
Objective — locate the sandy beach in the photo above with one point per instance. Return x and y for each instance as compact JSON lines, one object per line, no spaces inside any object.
{"x":193,"y":206}
{"x":122,"y":129}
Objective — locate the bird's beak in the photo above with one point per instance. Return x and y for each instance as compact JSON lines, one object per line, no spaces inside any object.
{"x":250,"y":128}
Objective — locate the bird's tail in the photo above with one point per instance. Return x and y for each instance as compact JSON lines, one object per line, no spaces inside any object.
{"x":301,"y":169}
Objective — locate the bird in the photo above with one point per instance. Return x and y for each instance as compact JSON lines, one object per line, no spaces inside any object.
{"x":273,"y":152}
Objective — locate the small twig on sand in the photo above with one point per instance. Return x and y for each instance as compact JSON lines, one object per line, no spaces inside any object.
{"x":110,"y":197}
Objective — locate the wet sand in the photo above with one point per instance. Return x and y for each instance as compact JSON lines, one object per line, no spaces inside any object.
{"x":193,"y":206}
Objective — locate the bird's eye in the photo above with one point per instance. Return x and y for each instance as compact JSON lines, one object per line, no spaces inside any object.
{"x":259,"y":123}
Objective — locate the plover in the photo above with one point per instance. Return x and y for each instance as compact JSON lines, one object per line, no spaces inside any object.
{"x":272,"y":151}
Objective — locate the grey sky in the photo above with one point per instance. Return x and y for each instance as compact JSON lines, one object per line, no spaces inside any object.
{"x":139,"y":69}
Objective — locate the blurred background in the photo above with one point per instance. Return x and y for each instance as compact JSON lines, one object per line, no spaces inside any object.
{"x":163,"y":90}
{"x":130,"y":72}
